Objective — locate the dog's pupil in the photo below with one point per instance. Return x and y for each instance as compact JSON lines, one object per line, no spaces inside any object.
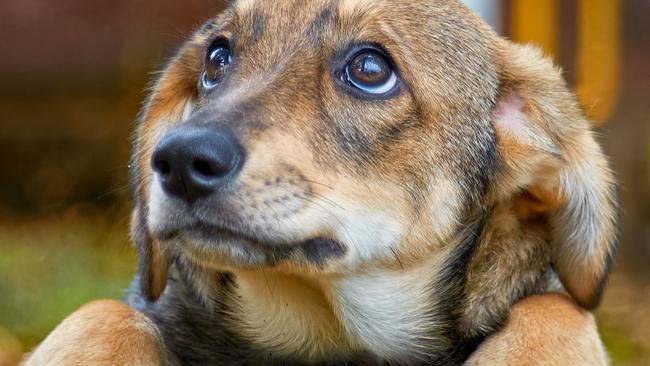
{"x":218,"y":58}
{"x":370,"y":69}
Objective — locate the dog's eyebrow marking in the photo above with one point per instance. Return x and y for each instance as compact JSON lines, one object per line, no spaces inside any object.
{"x":259,"y":23}
{"x":326,"y":17}
{"x":207,"y":28}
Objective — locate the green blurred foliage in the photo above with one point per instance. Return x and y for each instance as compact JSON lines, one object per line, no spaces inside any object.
{"x":86,"y":257}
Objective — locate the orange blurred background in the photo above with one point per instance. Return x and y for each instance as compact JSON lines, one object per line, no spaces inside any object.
{"x":72,"y":77}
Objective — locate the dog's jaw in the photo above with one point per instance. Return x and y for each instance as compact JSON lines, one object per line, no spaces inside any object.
{"x":343,"y":307}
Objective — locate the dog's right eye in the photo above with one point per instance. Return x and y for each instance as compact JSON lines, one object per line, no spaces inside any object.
{"x":217,"y":59}
{"x":370,"y":73}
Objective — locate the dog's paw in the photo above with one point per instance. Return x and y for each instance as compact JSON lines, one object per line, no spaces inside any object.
{"x":101,"y":333}
{"x":544,"y":330}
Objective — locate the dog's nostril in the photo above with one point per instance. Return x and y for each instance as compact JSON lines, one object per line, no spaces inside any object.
{"x":207,"y":169}
{"x":162,"y":167}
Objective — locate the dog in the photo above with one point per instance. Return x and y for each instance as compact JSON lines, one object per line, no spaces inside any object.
{"x":358,"y":182}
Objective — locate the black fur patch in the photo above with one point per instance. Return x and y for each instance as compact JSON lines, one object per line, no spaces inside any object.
{"x":320,"y":250}
{"x":354,"y":144}
{"x":450,"y":290}
{"x":324,"y":20}
{"x":259,"y":23}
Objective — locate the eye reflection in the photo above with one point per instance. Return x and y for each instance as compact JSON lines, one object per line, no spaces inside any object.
{"x":218,"y":58}
{"x":370,"y":72}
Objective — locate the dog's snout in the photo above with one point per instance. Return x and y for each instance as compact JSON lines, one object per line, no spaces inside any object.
{"x":195,"y":162}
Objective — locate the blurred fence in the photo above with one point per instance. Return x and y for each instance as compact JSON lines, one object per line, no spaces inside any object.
{"x":72,"y":77}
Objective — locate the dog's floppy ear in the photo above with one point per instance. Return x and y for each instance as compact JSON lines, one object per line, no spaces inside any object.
{"x":554,"y":171}
{"x":171,"y":100}
{"x":153,"y":261}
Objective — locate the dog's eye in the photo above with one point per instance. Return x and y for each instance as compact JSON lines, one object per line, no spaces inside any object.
{"x":371,"y":72}
{"x":218,"y":57}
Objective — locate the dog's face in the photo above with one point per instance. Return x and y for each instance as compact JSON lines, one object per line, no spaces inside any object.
{"x":333,"y":137}
{"x":322,"y":137}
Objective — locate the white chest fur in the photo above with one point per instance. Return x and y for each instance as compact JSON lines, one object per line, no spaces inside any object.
{"x":382,"y":311}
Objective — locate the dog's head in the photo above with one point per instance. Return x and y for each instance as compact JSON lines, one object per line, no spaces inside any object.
{"x":331,"y":137}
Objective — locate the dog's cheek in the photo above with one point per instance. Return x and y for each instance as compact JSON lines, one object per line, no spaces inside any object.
{"x":430,"y":223}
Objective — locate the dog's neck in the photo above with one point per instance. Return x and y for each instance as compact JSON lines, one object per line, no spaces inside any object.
{"x":384,"y":312}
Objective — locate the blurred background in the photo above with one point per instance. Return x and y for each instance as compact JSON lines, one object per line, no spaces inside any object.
{"x":72,"y":77}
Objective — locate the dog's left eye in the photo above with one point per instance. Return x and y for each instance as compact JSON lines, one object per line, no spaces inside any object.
{"x":218,"y":57}
{"x":371,"y":72}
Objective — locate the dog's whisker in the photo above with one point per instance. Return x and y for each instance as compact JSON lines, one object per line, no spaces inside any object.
{"x":397,"y":257}
{"x":119,"y":189}
{"x":328,"y":200}
{"x":319,"y":183}
{"x":289,"y":217}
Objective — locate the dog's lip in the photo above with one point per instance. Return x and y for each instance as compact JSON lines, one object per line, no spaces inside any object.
{"x":202,"y":228}
{"x":316,"y":249}
{"x":211,"y":231}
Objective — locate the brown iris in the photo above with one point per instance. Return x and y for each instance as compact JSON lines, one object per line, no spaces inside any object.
{"x":371,"y":72}
{"x":219,"y":56}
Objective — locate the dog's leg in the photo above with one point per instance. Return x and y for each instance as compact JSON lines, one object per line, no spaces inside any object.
{"x":544,"y":330}
{"x":101,"y":333}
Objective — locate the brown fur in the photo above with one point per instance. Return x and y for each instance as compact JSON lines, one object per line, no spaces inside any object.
{"x":549,"y":330}
{"x":404,"y":228}
{"x":101,"y":333}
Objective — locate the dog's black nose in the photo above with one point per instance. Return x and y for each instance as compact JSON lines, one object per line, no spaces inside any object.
{"x":194,"y":162}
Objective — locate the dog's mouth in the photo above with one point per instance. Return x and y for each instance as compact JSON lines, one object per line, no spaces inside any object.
{"x":205,"y":230}
{"x":212,"y":235}
{"x":233,"y":247}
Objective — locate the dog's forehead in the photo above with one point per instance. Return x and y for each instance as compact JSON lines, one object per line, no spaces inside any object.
{"x":296,"y":19}
{"x":300,"y":11}
{"x":293,"y":17}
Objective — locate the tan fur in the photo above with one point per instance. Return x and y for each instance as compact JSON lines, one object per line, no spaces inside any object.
{"x":544,"y":330}
{"x":278,"y":316}
{"x":579,"y":198}
{"x":101,"y":333}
